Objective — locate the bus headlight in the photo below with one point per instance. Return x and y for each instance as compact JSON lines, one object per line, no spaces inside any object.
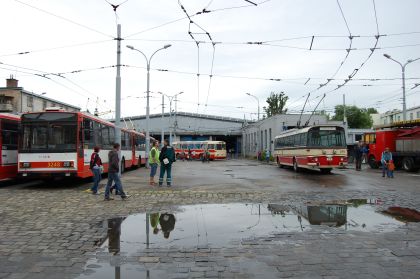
{"x":25,"y":165}
{"x":68,"y":164}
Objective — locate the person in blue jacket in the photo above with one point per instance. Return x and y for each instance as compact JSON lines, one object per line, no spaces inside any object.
{"x":166,"y":158}
{"x":385,"y":158}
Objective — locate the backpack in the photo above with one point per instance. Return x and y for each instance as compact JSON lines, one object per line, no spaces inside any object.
{"x":93,"y":160}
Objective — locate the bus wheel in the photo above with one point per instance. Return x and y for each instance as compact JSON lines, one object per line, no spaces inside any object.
{"x":326,"y":171}
{"x":372,"y":162}
{"x":295,"y":166}
{"x":123,"y":165}
{"x":278,"y":163}
{"x":408,"y":164}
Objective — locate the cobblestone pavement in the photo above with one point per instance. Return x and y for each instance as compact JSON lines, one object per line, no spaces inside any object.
{"x":53,"y":230}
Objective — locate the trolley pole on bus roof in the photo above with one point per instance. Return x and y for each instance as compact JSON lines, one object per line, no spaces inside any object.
{"x":118,"y":94}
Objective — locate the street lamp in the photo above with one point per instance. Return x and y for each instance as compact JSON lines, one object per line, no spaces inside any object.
{"x":170,"y":98}
{"x":258,"y":100}
{"x":148,"y":93}
{"x":403,"y":80}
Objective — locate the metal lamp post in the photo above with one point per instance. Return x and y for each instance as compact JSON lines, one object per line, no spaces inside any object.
{"x":403,"y":80}
{"x":258,"y":101}
{"x":170,"y":98}
{"x":148,"y":60}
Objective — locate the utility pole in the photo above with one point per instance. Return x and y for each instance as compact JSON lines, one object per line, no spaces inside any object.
{"x":163,"y":112}
{"x":345,"y":117}
{"x":118,"y":94}
{"x":170,"y":122}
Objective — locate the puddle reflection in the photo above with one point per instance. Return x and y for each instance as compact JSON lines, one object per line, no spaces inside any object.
{"x":224,"y":225}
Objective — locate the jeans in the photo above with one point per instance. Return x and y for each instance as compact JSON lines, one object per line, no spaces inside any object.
{"x":153,"y":169}
{"x":384,"y":169}
{"x":390,"y":174}
{"x":96,"y":180}
{"x":358,"y":163}
{"x":113,"y":176}
{"x":168,"y":169}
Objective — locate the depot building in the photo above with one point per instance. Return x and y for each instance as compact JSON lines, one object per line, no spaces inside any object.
{"x":242,"y":137}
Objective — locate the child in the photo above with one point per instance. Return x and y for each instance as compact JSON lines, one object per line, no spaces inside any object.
{"x":391,"y":168}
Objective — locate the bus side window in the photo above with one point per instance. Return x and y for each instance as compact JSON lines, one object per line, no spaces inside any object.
{"x":88,"y":133}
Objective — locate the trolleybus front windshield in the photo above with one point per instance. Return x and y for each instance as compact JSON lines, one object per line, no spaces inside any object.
{"x":326,"y":138}
{"x":49,"y":132}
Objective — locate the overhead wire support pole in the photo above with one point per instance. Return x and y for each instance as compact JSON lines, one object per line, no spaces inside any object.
{"x":118,"y":94}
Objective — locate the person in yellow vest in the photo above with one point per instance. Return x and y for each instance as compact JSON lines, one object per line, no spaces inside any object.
{"x":154,"y":161}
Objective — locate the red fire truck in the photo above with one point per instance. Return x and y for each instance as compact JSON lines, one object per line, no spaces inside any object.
{"x":403,"y":140}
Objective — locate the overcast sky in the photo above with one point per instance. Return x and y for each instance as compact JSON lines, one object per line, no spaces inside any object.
{"x":62,"y":36}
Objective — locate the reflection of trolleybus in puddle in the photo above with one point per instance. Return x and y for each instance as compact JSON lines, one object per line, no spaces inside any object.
{"x":355,"y":214}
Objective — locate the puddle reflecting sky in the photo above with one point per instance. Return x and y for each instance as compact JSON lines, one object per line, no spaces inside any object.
{"x":224,"y":225}
{"x":217,"y":225}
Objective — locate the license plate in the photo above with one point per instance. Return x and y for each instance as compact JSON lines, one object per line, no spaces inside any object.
{"x":55,"y":164}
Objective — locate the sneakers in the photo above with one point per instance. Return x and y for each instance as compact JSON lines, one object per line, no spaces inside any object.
{"x":125,"y":197}
{"x":108,"y":199}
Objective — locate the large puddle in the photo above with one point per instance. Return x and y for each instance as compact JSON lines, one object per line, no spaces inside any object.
{"x":225,"y":225}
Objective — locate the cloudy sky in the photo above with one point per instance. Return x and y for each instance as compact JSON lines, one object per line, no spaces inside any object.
{"x":234,"y":47}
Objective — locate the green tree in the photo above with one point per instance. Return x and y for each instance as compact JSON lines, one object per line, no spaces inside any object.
{"x":356,"y":117}
{"x":276,"y":104}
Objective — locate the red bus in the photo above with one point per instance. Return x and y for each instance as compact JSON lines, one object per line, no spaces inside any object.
{"x":9,"y":125}
{"x":60,"y":143}
{"x":217,"y":149}
{"x":316,"y":147}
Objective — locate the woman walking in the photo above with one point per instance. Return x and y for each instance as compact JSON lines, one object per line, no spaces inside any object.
{"x":96,"y":168}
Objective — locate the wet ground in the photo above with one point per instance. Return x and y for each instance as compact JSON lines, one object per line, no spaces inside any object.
{"x":226,"y":219}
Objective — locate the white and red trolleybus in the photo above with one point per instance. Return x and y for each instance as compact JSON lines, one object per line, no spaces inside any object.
{"x":60,"y":143}
{"x":9,"y":124}
{"x":217,"y":149}
{"x":316,"y":147}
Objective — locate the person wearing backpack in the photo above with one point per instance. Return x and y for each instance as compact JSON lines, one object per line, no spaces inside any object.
{"x":96,"y":168}
{"x":166,"y":158}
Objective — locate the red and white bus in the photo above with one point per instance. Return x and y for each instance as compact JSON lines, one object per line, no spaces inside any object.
{"x":60,"y":143}
{"x":217,"y":149}
{"x":9,"y":125}
{"x":316,"y":147}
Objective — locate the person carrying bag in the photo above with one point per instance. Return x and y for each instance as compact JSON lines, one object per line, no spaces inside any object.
{"x":166,"y":158}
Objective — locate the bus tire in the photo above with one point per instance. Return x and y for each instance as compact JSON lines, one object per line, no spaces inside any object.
{"x":123,"y":165}
{"x":278,"y":163}
{"x":408,"y":164}
{"x":372,"y":162}
{"x":326,"y":170}
{"x":295,"y":165}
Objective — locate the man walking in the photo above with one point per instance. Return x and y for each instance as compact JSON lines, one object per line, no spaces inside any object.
{"x":166,"y":158}
{"x":358,"y":154}
{"x":154,"y":162}
{"x":113,"y":173}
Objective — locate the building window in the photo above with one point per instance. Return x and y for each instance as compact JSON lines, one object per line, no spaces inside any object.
{"x":399,"y":118}
{"x":44,"y":104}
{"x":418,"y":114}
{"x":29,"y":101}
{"x":411,"y":116}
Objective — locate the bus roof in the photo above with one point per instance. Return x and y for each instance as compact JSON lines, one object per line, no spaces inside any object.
{"x":9,"y":116}
{"x":87,"y":115}
{"x":304,"y":130}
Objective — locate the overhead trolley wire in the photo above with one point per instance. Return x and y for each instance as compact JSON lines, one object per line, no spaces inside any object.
{"x":65,"y":19}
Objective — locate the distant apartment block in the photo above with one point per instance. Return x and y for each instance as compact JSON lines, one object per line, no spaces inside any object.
{"x":15,"y":99}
